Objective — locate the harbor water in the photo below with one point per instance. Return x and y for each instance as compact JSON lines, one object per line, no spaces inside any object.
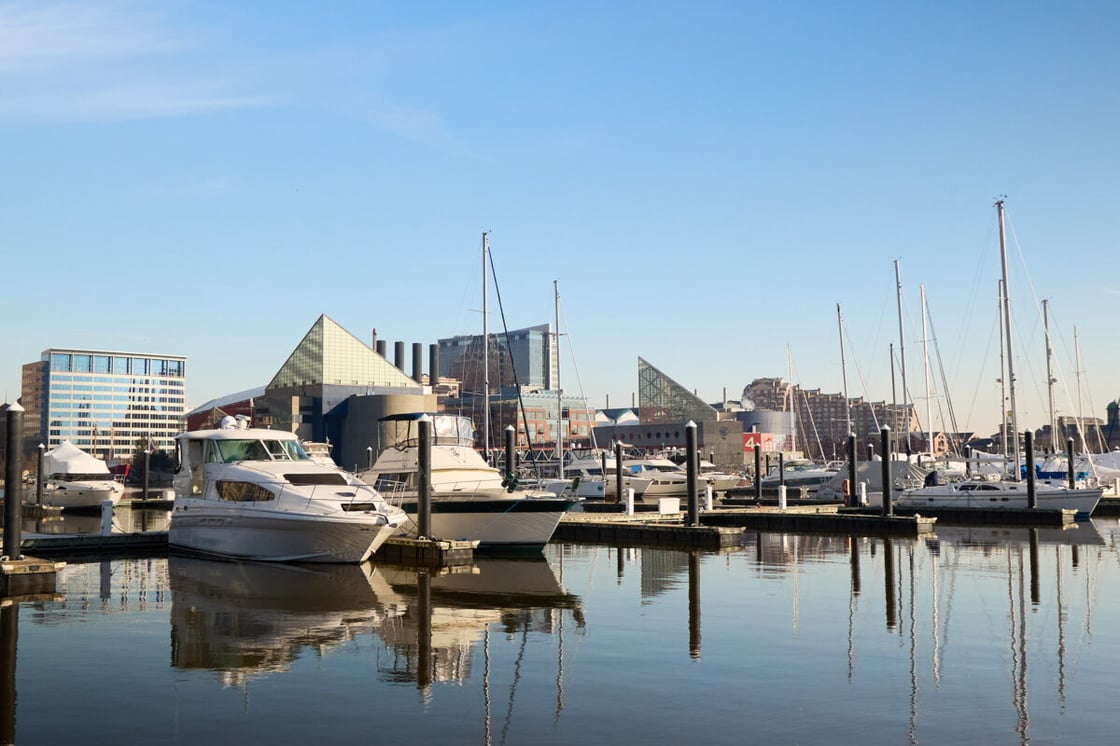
{"x":969,"y":635}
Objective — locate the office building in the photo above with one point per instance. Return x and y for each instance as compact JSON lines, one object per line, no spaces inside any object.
{"x":106,"y":403}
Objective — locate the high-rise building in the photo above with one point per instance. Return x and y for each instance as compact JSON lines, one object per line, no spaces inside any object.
{"x":106,"y":403}
{"x":523,"y":358}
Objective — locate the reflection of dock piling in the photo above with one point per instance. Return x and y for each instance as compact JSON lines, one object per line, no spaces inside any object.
{"x":20,"y":576}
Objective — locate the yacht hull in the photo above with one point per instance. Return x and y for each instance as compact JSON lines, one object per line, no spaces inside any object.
{"x":277,"y":536}
{"x":496,"y":523}
{"x":1009,"y":497}
{"x":80,"y":495}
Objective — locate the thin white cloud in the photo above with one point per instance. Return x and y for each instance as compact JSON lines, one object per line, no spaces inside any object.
{"x":91,"y":61}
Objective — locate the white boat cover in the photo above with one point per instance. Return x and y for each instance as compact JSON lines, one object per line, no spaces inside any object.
{"x":67,"y":458}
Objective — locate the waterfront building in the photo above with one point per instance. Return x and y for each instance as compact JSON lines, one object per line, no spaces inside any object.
{"x":309,"y":394}
{"x":523,"y":357}
{"x":106,"y":403}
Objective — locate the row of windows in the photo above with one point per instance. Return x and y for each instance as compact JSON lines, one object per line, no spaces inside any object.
{"x":82,"y":401}
{"x":119,"y":384}
{"x":79,"y":362}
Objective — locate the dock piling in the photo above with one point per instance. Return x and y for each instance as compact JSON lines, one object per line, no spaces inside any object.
{"x":13,"y":482}
{"x":1032,"y":497}
{"x":424,"y":478}
{"x":1070,"y":470}
{"x":690,"y":448}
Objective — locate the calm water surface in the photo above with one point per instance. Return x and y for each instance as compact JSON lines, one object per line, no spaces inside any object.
{"x":981,"y":635}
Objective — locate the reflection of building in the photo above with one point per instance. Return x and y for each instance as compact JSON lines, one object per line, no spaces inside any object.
{"x":106,"y":403}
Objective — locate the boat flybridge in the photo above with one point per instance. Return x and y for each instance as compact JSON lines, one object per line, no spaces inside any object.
{"x":252,"y":493}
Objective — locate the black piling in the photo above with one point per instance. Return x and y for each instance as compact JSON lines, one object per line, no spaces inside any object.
{"x":852,"y":497}
{"x":690,"y":448}
{"x":1032,"y":497}
{"x":424,"y":479}
{"x":13,"y":483}
{"x":885,"y":440}
{"x":781,"y":470}
{"x":1070,"y":470}
{"x":757,"y":471}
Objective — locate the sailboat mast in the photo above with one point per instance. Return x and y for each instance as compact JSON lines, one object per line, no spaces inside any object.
{"x":925,"y":360}
{"x":1007,"y":330}
{"x":1050,"y":380}
{"x":844,"y":371}
{"x":902,"y":354}
{"x":1080,"y":414}
{"x":485,"y":356}
{"x":559,"y":391}
{"x":1002,"y":374}
{"x":789,"y":396}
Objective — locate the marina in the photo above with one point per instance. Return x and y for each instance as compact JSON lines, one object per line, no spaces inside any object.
{"x":784,"y":637}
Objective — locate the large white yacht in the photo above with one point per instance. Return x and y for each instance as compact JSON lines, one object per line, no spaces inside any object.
{"x":999,"y":493}
{"x":251,"y":493}
{"x":75,"y":480}
{"x":471,"y":500}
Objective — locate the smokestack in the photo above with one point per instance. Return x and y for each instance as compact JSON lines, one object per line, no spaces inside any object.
{"x":382,"y":348}
{"x":398,"y":355}
{"x":417,"y":362}
{"x":433,"y":365}
{"x":373,"y":344}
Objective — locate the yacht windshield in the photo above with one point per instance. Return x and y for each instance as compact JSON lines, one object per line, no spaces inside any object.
{"x":260,"y":450}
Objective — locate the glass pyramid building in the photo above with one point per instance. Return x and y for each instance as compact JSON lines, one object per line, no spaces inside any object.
{"x":662,"y":400}
{"x":328,"y":355}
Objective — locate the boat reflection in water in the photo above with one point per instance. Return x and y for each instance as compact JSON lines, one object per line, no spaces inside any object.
{"x":245,"y":618}
{"x":125,"y":521}
{"x":241,"y":619}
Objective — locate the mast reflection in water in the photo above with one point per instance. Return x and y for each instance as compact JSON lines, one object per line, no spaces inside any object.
{"x":985,"y":635}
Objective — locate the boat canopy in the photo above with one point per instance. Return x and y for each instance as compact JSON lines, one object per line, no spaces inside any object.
{"x":67,"y":458}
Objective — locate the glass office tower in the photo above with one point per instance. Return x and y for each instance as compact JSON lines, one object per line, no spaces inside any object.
{"x":106,"y":403}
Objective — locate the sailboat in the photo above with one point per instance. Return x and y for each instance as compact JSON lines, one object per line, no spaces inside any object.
{"x":999,"y":493}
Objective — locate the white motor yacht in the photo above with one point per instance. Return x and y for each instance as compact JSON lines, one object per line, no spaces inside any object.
{"x":997,"y":493}
{"x":799,"y":474}
{"x":255,"y":494}
{"x":471,"y":500}
{"x":75,"y":480}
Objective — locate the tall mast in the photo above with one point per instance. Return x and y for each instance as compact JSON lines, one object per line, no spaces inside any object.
{"x":844,"y":371}
{"x":1080,"y":416}
{"x":559,"y":391}
{"x":925,"y":359}
{"x":1050,"y":380}
{"x":789,"y":396}
{"x":1007,"y":331}
{"x":1002,"y":374}
{"x":486,"y":356}
{"x":902,"y":354}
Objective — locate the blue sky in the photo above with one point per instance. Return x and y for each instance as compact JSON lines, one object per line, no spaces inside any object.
{"x":705,"y":180}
